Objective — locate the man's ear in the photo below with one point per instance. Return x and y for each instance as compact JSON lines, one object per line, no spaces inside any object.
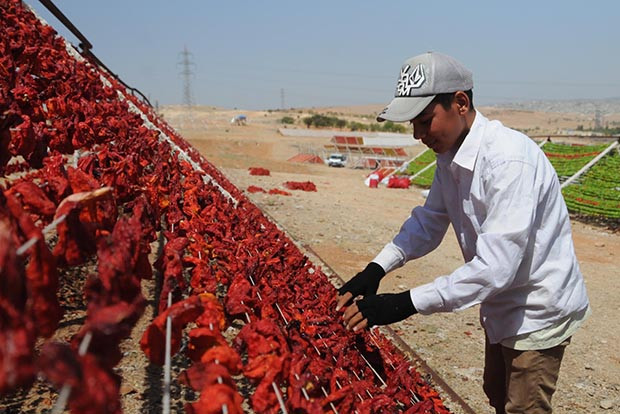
{"x":462,"y":102}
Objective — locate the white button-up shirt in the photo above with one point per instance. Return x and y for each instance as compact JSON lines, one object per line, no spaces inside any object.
{"x":503,"y":199}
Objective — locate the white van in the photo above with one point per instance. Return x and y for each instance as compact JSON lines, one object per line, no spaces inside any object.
{"x":336,"y":160}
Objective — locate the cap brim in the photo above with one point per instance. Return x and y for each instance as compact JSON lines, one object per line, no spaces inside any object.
{"x":404,"y":109}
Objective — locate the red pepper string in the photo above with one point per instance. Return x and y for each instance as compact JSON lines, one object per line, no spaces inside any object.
{"x":52,"y":226}
{"x":219,"y":378}
{"x":181,"y":152}
{"x":303,"y":389}
{"x":65,"y":391}
{"x":24,"y":247}
{"x":331,"y":404}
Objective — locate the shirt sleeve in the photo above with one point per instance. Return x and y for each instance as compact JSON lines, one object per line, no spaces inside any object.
{"x":510,"y":199}
{"x":420,"y":233}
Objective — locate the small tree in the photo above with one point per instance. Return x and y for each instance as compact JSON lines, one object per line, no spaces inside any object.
{"x":358,"y":126}
{"x":287,"y":120}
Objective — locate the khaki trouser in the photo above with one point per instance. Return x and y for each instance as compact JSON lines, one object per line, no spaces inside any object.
{"x":521,"y":381}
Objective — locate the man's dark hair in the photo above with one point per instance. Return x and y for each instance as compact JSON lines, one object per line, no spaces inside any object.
{"x":445,"y":99}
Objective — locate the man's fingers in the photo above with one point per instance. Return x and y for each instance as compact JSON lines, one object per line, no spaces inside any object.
{"x":349,"y":313}
{"x":361,"y":325}
{"x":344,"y":300}
{"x":357,"y":322}
{"x":353,"y":318}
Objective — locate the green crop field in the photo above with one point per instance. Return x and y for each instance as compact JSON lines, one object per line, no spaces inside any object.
{"x":598,"y":190}
{"x":596,"y":193}
{"x":426,"y":178}
{"x":568,"y":159}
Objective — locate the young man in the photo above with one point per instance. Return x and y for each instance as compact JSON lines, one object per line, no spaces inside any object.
{"x":502,"y":197}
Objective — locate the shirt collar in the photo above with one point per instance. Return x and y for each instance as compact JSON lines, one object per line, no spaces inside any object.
{"x":468,"y":151}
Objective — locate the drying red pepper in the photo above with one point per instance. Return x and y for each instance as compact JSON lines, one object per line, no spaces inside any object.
{"x":259,"y":171}
{"x":298,"y":185}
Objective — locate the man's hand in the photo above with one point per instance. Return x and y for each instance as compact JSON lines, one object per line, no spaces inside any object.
{"x":379,"y":310}
{"x":364,"y":283}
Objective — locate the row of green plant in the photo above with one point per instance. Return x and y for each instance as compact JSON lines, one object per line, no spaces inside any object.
{"x":568,"y":159}
{"x":597,"y":192}
{"x":426,"y":178}
{"x":555,"y":148}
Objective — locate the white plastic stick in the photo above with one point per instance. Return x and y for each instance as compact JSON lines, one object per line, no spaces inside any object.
{"x":372,"y":338}
{"x":246,"y":314}
{"x":303,"y":390}
{"x":65,"y":391}
{"x":330,"y":404}
{"x":166,"y":395}
{"x":281,"y":314}
{"x":221,"y":381}
{"x":373,"y":369}
{"x":316,"y":349}
{"x":279,"y":397}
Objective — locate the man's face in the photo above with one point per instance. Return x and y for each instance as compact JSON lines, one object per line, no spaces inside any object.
{"x":438,"y":128}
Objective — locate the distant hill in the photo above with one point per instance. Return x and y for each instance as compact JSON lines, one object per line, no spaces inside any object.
{"x":575,"y":106}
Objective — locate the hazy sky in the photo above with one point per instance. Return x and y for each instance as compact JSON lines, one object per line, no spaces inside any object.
{"x":334,"y":52}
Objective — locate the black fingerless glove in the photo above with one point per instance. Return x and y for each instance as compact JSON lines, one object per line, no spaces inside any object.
{"x":386,"y":308}
{"x":365,"y":282}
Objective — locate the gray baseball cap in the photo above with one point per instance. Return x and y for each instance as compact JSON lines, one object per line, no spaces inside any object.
{"x":421,"y":78}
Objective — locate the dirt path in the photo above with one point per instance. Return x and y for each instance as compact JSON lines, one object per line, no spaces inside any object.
{"x":347,"y":223}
